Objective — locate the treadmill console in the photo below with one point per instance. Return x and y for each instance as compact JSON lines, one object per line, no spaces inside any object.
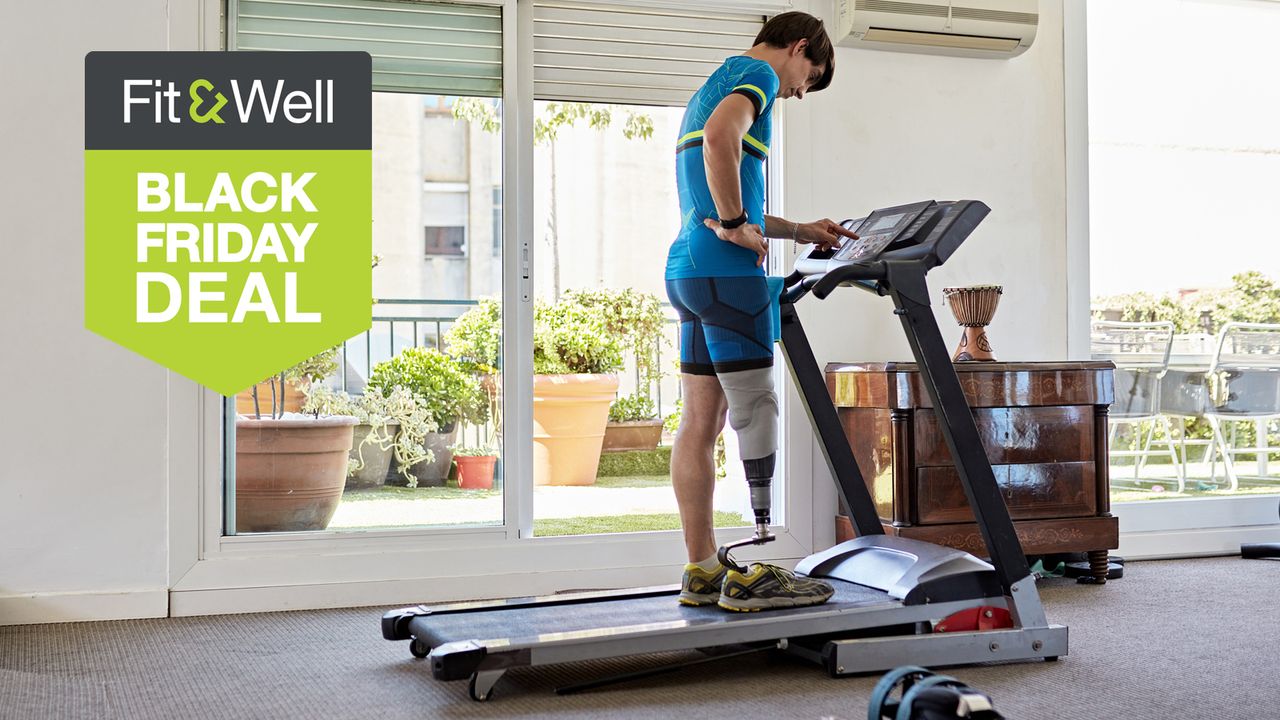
{"x":880,"y":229}
{"x":926,"y":232}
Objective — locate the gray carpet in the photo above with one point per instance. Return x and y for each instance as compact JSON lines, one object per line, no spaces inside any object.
{"x":1174,"y":639}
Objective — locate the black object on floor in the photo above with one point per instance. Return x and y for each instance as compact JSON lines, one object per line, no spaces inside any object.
{"x":1081,"y":571}
{"x":1076,"y":565}
{"x":1260,"y":551}
{"x":911,"y":692}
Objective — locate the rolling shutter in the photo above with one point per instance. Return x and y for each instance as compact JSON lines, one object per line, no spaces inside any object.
{"x":629,"y":54}
{"x":422,"y":47}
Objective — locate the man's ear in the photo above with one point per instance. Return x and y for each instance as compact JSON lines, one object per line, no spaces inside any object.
{"x":799,"y":46}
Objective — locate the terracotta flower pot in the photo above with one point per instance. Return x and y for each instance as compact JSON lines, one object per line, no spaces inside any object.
{"x":293,"y":398}
{"x":632,"y":435}
{"x":475,"y":472}
{"x":290,"y":473}
{"x":376,"y":460}
{"x":569,"y":416}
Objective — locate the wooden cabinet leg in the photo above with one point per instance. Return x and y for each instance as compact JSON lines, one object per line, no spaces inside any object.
{"x":1098,"y":567}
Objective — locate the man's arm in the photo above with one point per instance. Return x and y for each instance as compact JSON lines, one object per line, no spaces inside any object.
{"x":722,"y":152}
{"x":721,"y":156}
{"x":824,"y":232}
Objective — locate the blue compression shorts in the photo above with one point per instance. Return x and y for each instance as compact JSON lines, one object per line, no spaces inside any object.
{"x":726,"y":323}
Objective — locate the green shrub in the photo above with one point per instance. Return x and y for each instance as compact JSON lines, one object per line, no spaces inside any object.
{"x":636,"y":319}
{"x":632,"y":408}
{"x":449,"y":392}
{"x":1252,"y":297}
{"x":568,"y":337}
{"x":476,"y":336}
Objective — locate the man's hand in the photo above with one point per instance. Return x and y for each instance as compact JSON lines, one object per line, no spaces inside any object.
{"x":823,"y":233}
{"x":747,"y":235}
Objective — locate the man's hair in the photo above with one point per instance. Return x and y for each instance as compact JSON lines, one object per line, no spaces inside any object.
{"x":789,"y":27}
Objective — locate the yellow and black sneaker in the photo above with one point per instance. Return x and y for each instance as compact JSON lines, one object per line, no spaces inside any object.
{"x":764,"y":587}
{"x":701,"y":587}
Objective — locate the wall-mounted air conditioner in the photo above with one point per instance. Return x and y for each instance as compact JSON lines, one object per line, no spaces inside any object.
{"x":968,"y":28}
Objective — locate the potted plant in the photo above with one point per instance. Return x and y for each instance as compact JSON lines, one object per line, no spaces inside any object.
{"x":475,"y":466}
{"x":389,"y":427}
{"x":575,"y":361}
{"x":635,"y":318}
{"x":633,"y":425}
{"x":475,"y":340}
{"x":291,"y":388}
{"x":290,"y":467}
{"x":448,"y":395}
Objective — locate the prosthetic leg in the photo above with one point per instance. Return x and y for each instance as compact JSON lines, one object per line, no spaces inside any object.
{"x":760,"y":480}
{"x":753,"y":414}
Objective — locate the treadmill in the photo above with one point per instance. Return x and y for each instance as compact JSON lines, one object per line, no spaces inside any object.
{"x":897,"y":601}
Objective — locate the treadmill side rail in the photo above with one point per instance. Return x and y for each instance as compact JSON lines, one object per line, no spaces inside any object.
{"x":863,"y":655}
{"x":456,"y":660}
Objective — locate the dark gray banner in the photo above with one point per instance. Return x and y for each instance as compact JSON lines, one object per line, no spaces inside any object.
{"x":227,"y":101}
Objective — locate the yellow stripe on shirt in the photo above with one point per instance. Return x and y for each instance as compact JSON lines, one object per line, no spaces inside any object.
{"x":747,"y":139}
{"x":689,"y":136}
{"x":756,"y":144}
{"x":763,"y":99}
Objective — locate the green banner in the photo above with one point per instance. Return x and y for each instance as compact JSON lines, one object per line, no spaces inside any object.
{"x":226,"y":265}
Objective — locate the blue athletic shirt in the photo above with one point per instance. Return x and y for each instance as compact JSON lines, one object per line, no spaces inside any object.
{"x":697,"y":252}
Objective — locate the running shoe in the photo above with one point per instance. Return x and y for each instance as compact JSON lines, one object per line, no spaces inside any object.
{"x":764,"y":587}
{"x":701,"y":587}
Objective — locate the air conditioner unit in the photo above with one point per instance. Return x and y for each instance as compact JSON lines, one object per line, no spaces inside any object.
{"x":968,"y":28}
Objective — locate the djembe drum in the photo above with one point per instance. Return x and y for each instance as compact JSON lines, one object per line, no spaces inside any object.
{"x":974,"y":307}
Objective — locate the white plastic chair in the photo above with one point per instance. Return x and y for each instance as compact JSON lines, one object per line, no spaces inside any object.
{"x":1244,"y":385}
{"x":1140,"y":351}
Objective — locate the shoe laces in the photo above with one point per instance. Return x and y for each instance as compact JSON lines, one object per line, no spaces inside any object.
{"x":784,"y":578}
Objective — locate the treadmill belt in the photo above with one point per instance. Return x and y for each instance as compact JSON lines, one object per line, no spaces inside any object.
{"x":518,"y":622}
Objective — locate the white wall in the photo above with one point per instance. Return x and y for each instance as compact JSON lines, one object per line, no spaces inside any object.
{"x":83,"y":506}
{"x":83,"y":527}
{"x":895,"y":128}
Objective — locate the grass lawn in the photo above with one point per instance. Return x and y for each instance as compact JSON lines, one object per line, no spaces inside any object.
{"x":388,"y":492}
{"x":1136,"y":494}
{"x":638,"y":503}
{"x":633,"y":481}
{"x":549,"y":527}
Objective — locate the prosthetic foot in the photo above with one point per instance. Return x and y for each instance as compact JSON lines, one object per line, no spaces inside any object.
{"x":759,"y":480}
{"x":763,"y":586}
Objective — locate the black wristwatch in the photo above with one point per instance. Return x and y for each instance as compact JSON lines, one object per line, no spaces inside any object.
{"x":736,"y":222}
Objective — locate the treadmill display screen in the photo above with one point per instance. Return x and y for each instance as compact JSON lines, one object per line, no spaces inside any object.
{"x":885,"y":223}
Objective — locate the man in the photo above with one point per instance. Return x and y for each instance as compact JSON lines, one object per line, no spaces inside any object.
{"x":716,"y":282}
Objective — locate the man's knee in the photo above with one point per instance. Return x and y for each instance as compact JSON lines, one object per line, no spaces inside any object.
{"x":703,"y":421}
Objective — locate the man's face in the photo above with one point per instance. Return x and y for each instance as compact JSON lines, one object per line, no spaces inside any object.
{"x":798,"y":72}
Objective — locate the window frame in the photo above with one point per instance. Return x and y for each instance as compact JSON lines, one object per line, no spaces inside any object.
{"x":1153,"y":528}
{"x":214,"y":573}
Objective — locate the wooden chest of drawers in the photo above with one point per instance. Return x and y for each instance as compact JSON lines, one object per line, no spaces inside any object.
{"x":1043,"y":425}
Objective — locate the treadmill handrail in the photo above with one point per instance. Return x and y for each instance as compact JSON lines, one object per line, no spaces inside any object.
{"x":830,"y":280}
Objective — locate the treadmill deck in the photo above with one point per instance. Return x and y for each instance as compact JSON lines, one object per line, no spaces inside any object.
{"x":543,"y":622}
